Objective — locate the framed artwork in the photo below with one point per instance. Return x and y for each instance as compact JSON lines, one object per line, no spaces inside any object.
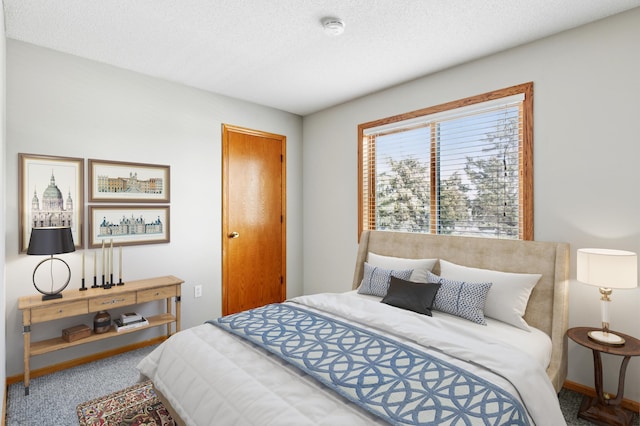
{"x":121,"y":182}
{"x":127,"y":225}
{"x":51,"y":191}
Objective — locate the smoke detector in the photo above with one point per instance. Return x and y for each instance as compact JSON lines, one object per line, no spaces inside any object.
{"x":333,"y":26}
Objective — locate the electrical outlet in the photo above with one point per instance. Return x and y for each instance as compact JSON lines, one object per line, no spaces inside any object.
{"x":197,"y":291}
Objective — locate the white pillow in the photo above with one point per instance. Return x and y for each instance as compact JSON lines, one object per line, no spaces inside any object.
{"x":508,"y":296}
{"x":419,"y":266}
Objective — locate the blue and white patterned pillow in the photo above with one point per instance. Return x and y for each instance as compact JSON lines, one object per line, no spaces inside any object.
{"x":459,"y":298}
{"x":376,"y":280}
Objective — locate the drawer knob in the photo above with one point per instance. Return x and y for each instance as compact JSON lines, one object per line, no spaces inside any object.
{"x":112,"y":301}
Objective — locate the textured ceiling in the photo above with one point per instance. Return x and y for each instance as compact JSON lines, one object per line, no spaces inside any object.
{"x":275,"y":52}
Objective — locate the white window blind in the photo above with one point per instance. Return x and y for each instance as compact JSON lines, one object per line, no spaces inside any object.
{"x":457,"y":171}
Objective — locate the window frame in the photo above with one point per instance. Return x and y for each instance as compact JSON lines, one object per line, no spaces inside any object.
{"x":525,"y":168}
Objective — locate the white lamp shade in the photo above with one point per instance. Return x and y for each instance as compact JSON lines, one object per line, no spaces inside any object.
{"x":607,"y":268}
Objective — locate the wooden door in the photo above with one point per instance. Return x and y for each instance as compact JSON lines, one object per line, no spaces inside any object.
{"x":253,"y":219}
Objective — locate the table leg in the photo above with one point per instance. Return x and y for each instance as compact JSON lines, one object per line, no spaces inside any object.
{"x":623,"y":371}
{"x":169,"y":312}
{"x":26,"y":333}
{"x":178,"y":299}
{"x":600,"y":409}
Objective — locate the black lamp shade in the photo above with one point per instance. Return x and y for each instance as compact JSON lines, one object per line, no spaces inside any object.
{"x":51,"y":240}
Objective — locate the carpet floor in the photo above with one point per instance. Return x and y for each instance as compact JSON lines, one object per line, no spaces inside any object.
{"x":53,"y":398}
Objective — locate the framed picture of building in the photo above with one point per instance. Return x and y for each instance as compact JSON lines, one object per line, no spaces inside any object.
{"x":51,"y":191}
{"x":126,"y":225}
{"x":122,"y":182}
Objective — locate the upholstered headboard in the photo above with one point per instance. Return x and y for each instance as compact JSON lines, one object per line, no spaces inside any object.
{"x":548,"y":307}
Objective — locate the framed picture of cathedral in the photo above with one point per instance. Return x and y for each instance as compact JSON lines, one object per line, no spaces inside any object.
{"x":121,"y":182}
{"x":126,"y":225}
{"x":51,"y":191}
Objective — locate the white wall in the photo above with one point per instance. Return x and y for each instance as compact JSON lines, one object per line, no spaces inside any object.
{"x":586,"y":153}
{"x":2,"y":209}
{"x":62,"y":105}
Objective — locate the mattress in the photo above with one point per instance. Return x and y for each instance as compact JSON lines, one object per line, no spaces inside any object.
{"x":211,"y":376}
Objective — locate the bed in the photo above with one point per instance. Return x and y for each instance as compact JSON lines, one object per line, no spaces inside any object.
{"x":498,"y":355}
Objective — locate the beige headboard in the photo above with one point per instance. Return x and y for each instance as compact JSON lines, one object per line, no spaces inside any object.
{"x":548,"y":307}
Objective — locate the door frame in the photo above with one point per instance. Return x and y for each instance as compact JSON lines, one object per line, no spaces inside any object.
{"x":226,"y":130}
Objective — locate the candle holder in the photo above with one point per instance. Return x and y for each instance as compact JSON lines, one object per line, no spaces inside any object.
{"x":106,"y":285}
{"x":120,"y":282}
{"x":83,"y":288}
{"x":95,"y":282}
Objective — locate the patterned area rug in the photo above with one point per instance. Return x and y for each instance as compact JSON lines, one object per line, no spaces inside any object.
{"x":136,"y":405}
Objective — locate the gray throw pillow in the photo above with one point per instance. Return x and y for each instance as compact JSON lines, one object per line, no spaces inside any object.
{"x":412,"y":296}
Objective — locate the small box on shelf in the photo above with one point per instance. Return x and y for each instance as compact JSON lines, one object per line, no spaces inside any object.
{"x":76,"y":332}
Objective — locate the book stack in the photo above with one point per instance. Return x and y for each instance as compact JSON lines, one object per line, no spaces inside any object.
{"x":130,"y":320}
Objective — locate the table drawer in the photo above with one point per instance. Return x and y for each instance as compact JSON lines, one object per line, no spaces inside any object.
{"x":59,"y":311}
{"x":157,"y":293}
{"x":113,"y":301}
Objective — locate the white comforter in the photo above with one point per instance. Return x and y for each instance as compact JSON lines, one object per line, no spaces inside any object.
{"x":211,"y":377}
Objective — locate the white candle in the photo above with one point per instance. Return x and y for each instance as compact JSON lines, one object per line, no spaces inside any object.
{"x":83,"y":265}
{"x":111,"y":259}
{"x":120,"y":265}
{"x":103,"y":259}
{"x":95,"y":261}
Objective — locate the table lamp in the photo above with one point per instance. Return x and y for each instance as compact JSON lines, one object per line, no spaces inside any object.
{"x":50,"y":241}
{"x":607,"y":269}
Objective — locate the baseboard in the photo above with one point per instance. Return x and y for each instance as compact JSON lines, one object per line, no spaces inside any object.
{"x":586,"y":390}
{"x":84,"y":360}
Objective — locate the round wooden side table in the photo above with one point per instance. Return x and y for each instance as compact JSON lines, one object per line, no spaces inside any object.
{"x":601,"y":409}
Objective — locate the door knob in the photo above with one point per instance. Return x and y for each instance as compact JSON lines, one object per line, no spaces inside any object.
{"x":234,"y":235}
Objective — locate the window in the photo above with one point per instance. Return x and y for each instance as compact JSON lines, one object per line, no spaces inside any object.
{"x":460,"y":168}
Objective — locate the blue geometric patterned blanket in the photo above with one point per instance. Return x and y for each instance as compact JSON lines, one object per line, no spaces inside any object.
{"x":396,"y":382}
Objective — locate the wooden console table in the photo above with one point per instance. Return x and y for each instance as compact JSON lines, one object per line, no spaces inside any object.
{"x":75,"y":302}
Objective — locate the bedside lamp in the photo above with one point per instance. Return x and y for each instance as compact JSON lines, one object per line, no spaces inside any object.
{"x":607,"y":269}
{"x":50,"y":241}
